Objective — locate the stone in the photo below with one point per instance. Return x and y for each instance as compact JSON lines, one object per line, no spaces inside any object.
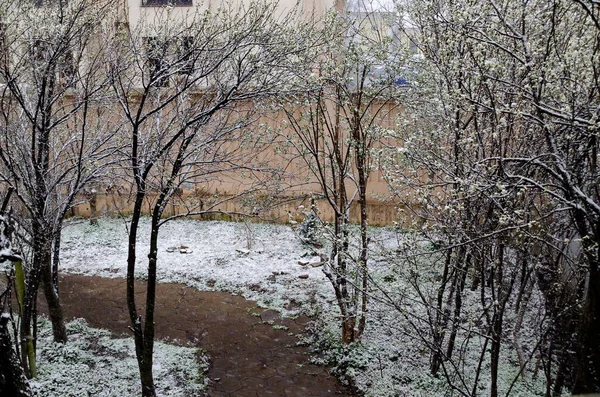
{"x":269,"y":315}
{"x":303,"y":276}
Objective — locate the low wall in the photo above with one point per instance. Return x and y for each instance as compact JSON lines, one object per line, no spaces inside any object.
{"x":379,"y":213}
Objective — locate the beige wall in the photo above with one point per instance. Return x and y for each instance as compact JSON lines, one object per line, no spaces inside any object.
{"x":136,"y":12}
{"x":295,"y":189}
{"x":379,"y":213}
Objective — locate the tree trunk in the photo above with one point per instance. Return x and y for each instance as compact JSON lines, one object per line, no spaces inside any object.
{"x":147,"y":379}
{"x":361,"y":165}
{"x":458,"y":286}
{"x":495,"y":350}
{"x":93,"y":208}
{"x":147,"y":358}
{"x":348,"y":332}
{"x":440,"y":320}
{"x":496,"y":334}
{"x":588,"y":351}
{"x":144,"y":365}
{"x":12,"y":376}
{"x":56,"y":257}
{"x":42,"y":258}
{"x":27,"y":333}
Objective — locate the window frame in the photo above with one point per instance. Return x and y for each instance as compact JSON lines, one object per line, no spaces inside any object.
{"x":184,"y":52}
{"x":165,"y":3}
{"x":154,"y":60}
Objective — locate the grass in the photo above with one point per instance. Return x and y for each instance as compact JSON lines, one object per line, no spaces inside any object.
{"x":94,"y":363}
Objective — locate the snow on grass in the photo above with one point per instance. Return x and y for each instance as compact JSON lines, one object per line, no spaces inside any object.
{"x":394,"y":347}
{"x":259,"y":261}
{"x":392,"y":357}
{"x":93,"y":363}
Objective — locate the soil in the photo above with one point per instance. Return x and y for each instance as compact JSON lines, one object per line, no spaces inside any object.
{"x":252,"y":351}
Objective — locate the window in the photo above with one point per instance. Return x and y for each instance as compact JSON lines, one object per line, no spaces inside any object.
{"x":3,"y":45}
{"x":156,"y":63}
{"x":185,"y":55}
{"x":66,"y":68}
{"x":166,"y":58}
{"x":40,"y":51}
{"x":158,"y":3}
{"x":42,"y":54}
{"x":121,"y":29}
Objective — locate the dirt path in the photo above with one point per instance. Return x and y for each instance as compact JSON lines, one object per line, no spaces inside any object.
{"x":248,"y":357}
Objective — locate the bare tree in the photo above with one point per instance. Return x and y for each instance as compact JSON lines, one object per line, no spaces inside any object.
{"x":501,"y":171}
{"x":12,"y":377}
{"x":336,"y":122}
{"x":186,"y":88}
{"x":52,"y":141}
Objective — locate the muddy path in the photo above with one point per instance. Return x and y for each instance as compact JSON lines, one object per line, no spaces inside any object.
{"x":250,"y":355}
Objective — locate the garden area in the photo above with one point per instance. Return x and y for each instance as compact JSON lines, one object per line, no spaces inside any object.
{"x":254,"y":198}
{"x":254,"y":294}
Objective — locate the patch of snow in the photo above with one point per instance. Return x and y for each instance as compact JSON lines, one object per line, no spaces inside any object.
{"x":269,"y":264}
{"x":219,"y":256}
{"x":93,"y":363}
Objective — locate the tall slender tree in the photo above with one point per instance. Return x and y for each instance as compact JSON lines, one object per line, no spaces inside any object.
{"x":186,"y":86}
{"x":505,"y":166}
{"x":52,"y":140}
{"x":337,"y":121}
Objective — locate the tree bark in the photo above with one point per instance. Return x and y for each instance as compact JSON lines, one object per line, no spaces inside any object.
{"x":42,"y":258}
{"x":440,"y":319}
{"x":362,"y":170}
{"x":588,"y":351}
{"x":348,"y":332}
{"x":28,"y":318}
{"x":12,"y":376}
{"x":55,"y":311}
{"x":141,"y":351}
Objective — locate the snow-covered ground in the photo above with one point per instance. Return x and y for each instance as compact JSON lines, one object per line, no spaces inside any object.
{"x":259,"y":261}
{"x":94,"y":363}
{"x":269,"y":264}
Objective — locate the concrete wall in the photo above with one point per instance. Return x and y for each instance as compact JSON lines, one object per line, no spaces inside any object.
{"x":136,"y":12}
{"x":290,"y":208}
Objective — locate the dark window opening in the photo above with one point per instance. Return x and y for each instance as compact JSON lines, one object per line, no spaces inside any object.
{"x":156,"y":62}
{"x":122,"y":29}
{"x":185,"y":55}
{"x":3,"y":45}
{"x":40,"y":51}
{"x":66,"y":69}
{"x":44,"y":58}
{"x":158,"y":3}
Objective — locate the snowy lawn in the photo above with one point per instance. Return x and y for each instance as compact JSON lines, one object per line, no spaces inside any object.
{"x":269,"y":264}
{"x":259,"y":261}
{"x":94,"y":363}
